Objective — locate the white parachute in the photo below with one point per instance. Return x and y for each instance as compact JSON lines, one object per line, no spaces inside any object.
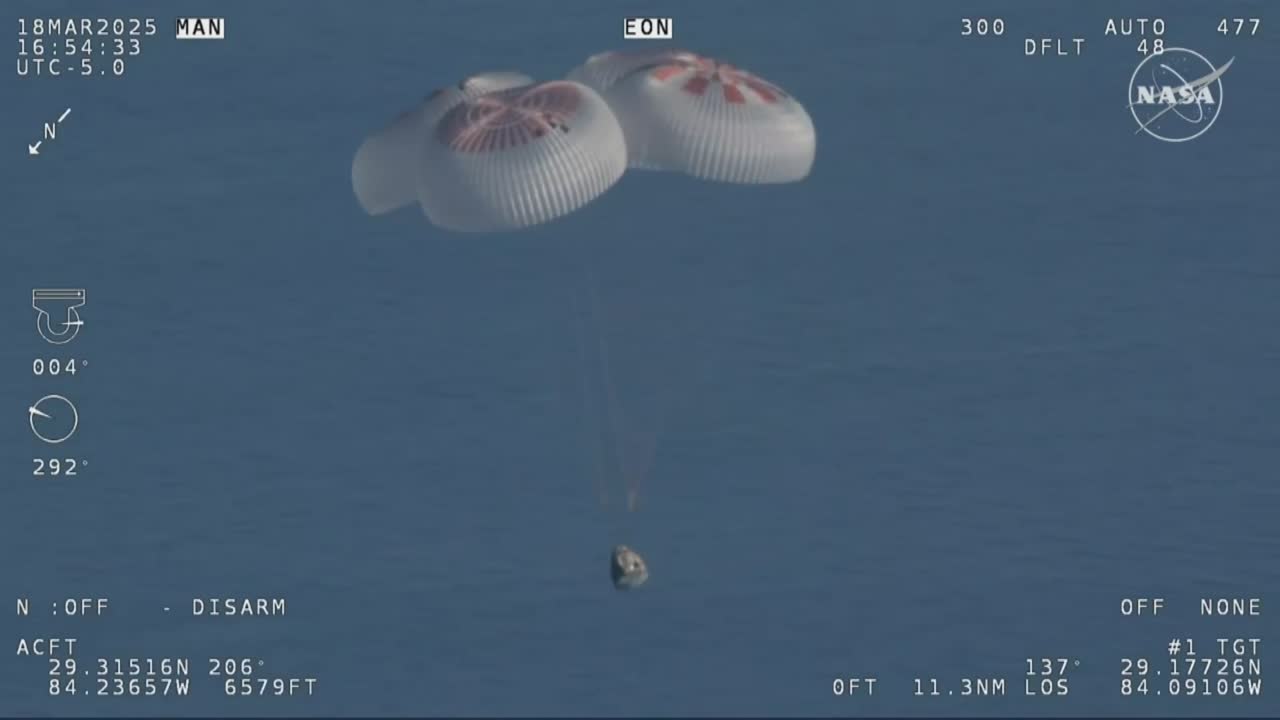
{"x":686,"y":113}
{"x":496,"y":152}
{"x":499,"y":152}
{"x":384,"y":174}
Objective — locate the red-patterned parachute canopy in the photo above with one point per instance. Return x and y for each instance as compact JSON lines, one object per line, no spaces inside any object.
{"x":687,"y":113}
{"x":497,"y":152}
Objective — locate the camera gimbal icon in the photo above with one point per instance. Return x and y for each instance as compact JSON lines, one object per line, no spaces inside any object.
{"x":57,"y":303}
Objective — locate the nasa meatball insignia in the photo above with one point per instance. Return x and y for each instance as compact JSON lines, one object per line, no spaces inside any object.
{"x":237,"y":607}
{"x":1176,"y":95}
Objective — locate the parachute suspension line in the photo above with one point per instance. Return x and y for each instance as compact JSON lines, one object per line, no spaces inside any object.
{"x":616,"y":421}
{"x":590,"y":429}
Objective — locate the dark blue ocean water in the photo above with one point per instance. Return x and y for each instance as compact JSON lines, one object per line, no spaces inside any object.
{"x":996,"y":365}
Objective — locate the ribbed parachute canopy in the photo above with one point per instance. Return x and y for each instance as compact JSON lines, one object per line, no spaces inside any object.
{"x":686,"y":113}
{"x":493,"y":152}
{"x":384,"y":173}
{"x":521,"y":156}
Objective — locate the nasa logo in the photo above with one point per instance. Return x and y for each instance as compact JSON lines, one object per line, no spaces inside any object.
{"x":1176,"y":95}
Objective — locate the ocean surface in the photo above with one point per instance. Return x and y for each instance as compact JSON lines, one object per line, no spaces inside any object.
{"x":998,"y":364}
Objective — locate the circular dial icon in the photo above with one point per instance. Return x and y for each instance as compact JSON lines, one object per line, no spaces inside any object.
{"x":53,"y":418}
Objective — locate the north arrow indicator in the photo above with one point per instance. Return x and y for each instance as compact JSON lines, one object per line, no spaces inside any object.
{"x":50,"y":133}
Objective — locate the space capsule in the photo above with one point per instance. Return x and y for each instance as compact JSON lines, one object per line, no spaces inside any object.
{"x":628,"y":569}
